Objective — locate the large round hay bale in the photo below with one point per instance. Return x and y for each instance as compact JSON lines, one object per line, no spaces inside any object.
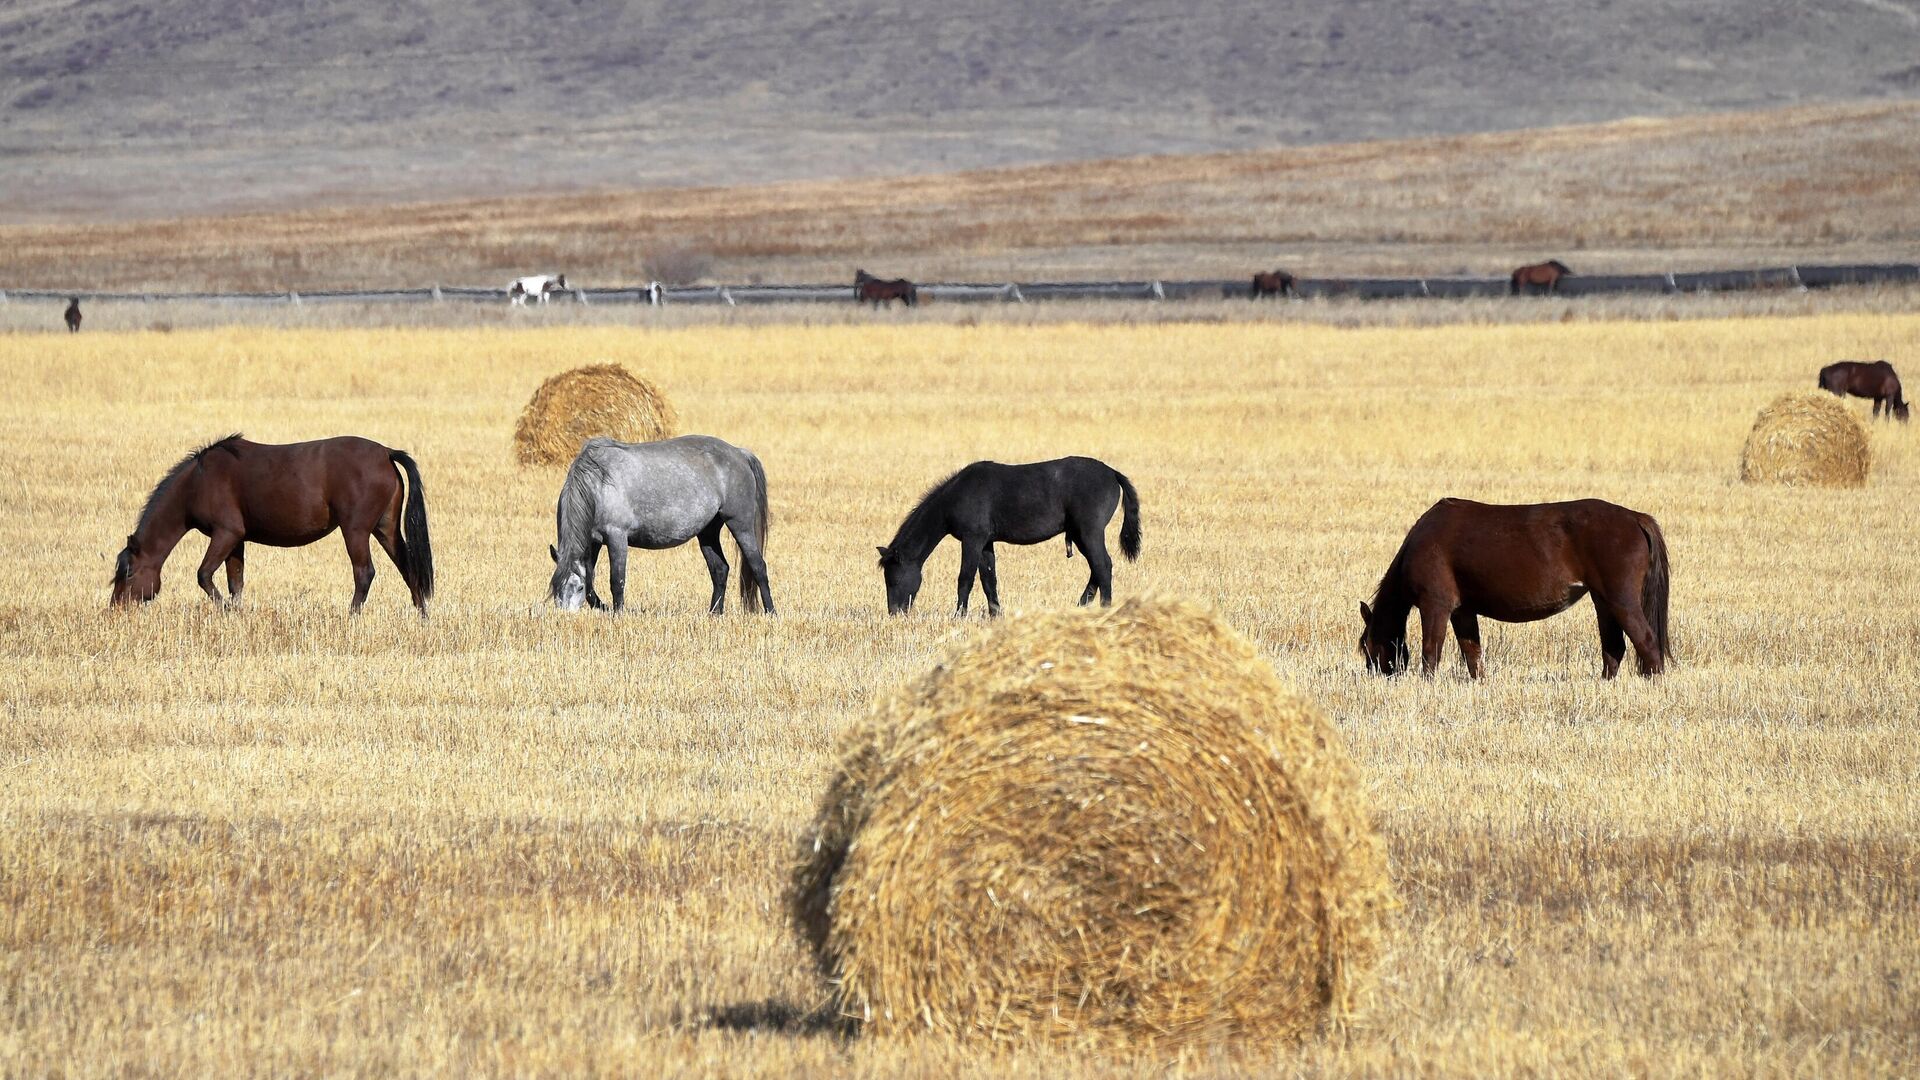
{"x":1807,"y":437}
{"x":576,"y":405}
{"x":1096,"y":826}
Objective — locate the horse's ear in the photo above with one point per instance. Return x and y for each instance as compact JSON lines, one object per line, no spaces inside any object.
{"x":886,"y":554}
{"x":1366,"y":613}
{"x":133,"y":544}
{"x":554,"y":554}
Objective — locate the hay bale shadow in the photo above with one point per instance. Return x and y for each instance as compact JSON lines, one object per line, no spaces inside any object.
{"x":778,"y":1017}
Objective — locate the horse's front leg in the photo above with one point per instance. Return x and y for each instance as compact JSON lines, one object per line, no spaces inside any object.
{"x":223,"y":543}
{"x":1466,"y":630}
{"x":989,"y":580}
{"x":592,"y":564}
{"x":969,"y":563}
{"x":237,"y":571}
{"x":1433,"y":637}
{"x":617,"y":571}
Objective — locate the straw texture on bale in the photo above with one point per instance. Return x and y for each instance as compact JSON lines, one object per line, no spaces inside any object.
{"x":576,"y":405}
{"x":1096,"y":827}
{"x":1807,"y":438}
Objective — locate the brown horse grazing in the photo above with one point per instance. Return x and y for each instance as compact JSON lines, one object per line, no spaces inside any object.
{"x":1860,"y":378}
{"x":284,"y":496}
{"x":73,"y":315}
{"x":1465,"y":559}
{"x":1274,"y":283}
{"x":1544,"y":277}
{"x":874,"y":291}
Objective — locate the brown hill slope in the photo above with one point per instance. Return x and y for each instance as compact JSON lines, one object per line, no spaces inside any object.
{"x":161,"y":107}
{"x":1722,"y":190}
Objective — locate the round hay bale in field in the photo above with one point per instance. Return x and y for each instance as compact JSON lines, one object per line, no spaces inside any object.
{"x":576,"y":405}
{"x":1096,"y":826}
{"x":1807,"y":437}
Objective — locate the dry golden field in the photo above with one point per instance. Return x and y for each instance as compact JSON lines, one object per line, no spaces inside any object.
{"x":509,"y":841}
{"x":1814,"y":184}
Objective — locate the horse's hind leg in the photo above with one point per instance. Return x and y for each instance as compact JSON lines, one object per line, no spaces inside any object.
{"x":360,"y":554}
{"x":716,"y":566}
{"x":237,"y":572}
{"x":1613,"y":641}
{"x":754,"y":565}
{"x":396,"y":550}
{"x":1466,"y":630}
{"x":1093,"y":544}
{"x":1632,"y":620}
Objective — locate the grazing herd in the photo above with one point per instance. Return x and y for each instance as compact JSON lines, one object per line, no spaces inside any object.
{"x":1460,"y":561}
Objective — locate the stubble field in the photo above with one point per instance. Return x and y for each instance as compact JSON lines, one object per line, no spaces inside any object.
{"x":507,"y":840}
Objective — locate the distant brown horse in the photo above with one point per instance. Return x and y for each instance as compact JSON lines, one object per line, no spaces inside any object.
{"x":1544,"y":277}
{"x":1272,"y":283}
{"x":1861,"y":378}
{"x":283,"y":496}
{"x":1465,"y":559}
{"x":73,"y":315}
{"x":874,"y":291}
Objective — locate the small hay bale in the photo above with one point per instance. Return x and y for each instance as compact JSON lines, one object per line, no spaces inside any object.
{"x":1810,"y":438}
{"x":576,"y":405}
{"x":1099,"y":827}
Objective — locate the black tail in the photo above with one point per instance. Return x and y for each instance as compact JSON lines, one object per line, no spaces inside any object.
{"x":1129,"y":518}
{"x":749,"y":583}
{"x":1653,"y":591}
{"x":416,"y":545}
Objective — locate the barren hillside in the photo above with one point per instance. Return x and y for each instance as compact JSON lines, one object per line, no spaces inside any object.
{"x":161,"y":107}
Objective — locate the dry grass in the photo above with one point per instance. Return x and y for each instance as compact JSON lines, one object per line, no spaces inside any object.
{"x":1807,"y":437}
{"x":1110,"y":827}
{"x":1724,"y":190}
{"x":508,"y":841}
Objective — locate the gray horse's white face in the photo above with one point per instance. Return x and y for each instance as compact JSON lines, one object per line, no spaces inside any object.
{"x":568,"y":589}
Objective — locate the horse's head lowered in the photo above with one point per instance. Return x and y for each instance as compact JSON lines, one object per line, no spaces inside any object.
{"x":136,"y":576}
{"x":903,"y":581}
{"x":1384,"y":647}
{"x":568,"y":589}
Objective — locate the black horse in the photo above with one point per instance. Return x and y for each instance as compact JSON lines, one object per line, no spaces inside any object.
{"x":73,"y":315}
{"x":988,"y":503}
{"x":879,"y":293}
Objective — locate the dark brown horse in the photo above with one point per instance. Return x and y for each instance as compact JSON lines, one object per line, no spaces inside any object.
{"x":1541,"y":277}
{"x":1272,"y":283}
{"x":1465,"y":559}
{"x":73,"y":315}
{"x":874,"y":291}
{"x":283,"y":496}
{"x":1861,"y":378}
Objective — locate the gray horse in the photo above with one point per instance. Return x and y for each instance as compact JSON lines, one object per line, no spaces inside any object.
{"x":660,"y":495}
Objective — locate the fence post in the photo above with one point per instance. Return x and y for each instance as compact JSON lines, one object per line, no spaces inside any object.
{"x":1672,"y":285}
{"x":1798,"y":284}
{"x":436,"y":293}
{"x":293,"y":298}
{"x":1424,"y":291}
{"x":727,"y":295}
{"x":1159,"y":293}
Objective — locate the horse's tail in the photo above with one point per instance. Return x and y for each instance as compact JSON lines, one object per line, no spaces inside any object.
{"x":415,"y":544}
{"x":1129,"y":517}
{"x":1653,"y":591}
{"x":749,"y":581}
{"x":1513,"y":284}
{"x":913,"y":295}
